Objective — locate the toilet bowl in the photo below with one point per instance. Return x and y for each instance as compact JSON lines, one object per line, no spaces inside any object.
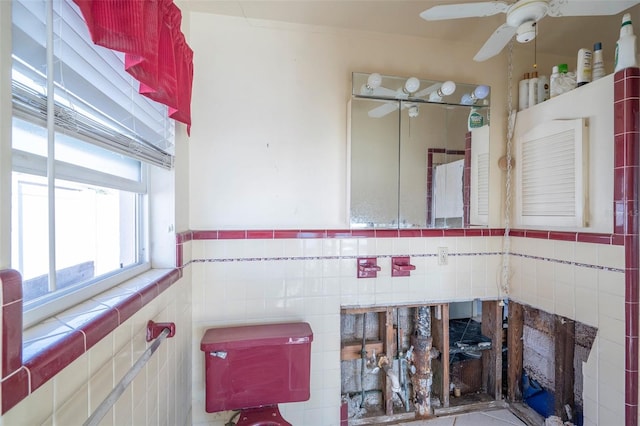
{"x":254,"y":368}
{"x":263,"y":416}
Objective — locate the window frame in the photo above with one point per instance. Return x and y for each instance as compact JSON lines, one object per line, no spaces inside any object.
{"x":53,"y":303}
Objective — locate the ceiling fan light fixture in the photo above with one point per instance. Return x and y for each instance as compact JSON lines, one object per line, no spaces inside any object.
{"x":526,"y":32}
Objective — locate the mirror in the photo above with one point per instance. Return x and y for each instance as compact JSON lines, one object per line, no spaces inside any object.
{"x":416,"y":160}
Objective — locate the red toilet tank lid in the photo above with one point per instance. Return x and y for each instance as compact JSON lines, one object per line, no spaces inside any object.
{"x":256,"y":335}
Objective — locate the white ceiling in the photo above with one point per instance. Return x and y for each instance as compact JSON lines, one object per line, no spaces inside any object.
{"x":561,"y":36}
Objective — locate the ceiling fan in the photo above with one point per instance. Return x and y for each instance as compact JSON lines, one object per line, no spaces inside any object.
{"x":522,"y":17}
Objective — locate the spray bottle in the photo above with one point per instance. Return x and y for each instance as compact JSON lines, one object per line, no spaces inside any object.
{"x":626,"y":46}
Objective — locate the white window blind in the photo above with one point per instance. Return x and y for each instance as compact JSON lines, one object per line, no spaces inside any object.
{"x":95,"y":98}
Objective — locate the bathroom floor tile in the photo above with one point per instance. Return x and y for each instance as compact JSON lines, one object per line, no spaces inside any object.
{"x":489,"y":418}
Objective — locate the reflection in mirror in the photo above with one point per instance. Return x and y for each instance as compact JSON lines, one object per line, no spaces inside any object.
{"x":414,"y":153}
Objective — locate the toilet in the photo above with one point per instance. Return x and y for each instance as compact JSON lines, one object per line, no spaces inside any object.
{"x":253,"y":368}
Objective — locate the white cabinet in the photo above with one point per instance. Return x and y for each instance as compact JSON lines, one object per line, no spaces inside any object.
{"x":545,"y":156}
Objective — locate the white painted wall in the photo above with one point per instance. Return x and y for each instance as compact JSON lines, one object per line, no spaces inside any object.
{"x":268,"y":147}
{"x":5,"y":134}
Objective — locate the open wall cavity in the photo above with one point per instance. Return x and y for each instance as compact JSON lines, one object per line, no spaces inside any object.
{"x":420,"y":361}
{"x":546,"y":353}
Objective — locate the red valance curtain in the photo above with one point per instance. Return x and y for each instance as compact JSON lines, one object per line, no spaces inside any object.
{"x":156,"y":52}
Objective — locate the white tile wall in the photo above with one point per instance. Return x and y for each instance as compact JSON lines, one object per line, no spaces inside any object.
{"x":588,"y":287}
{"x":160,"y":394}
{"x":314,"y":289}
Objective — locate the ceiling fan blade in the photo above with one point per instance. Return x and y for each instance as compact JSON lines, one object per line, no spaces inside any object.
{"x":383,"y":110}
{"x":427,"y":90}
{"x":495,"y":43}
{"x":588,"y":7}
{"x":464,"y":10}
{"x":384,"y":92}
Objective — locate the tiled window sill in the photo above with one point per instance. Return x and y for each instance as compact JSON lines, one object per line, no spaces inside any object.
{"x":33,"y":356}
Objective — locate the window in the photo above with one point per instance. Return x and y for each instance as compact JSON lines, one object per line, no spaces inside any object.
{"x":82,"y":140}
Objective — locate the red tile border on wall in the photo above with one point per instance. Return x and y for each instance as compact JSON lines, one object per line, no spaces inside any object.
{"x":625,"y":203}
{"x":43,"y":358}
{"x":583,"y":237}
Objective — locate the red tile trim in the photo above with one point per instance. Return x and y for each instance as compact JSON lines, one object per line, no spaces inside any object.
{"x":99,"y":327}
{"x":60,"y":351}
{"x":625,"y":203}
{"x":339,"y":233}
{"x":285,"y":234}
{"x":183,"y":237}
{"x":15,"y":388}
{"x":563,"y":236}
{"x":11,"y":283}
{"x":595,"y":238}
{"x":584,"y":237}
{"x":128,"y":307}
{"x":179,"y":255}
{"x":312,"y":233}
{"x":387,"y":233}
{"x":363,"y":233}
{"x":11,"y":338}
{"x":257,"y":235}
{"x":537,"y":234}
{"x":432,"y":233}
{"x":474,"y":232}
{"x":581,"y":237}
{"x":205,"y":235}
{"x":45,"y":357}
{"x":11,"y":286}
{"x":232,"y":235}
{"x":408,"y":233}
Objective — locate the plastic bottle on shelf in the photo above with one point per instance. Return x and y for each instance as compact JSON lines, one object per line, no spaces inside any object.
{"x":626,"y":46}
{"x":543,"y":88}
{"x":563,"y":82}
{"x":553,"y":82}
{"x":523,"y":93}
{"x":533,"y":89}
{"x":598,"y":70}
{"x":583,"y":70}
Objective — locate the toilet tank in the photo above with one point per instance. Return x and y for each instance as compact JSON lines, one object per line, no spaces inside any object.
{"x":256,"y":365}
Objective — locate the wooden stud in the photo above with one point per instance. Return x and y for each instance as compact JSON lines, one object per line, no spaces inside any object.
{"x":564,"y":375}
{"x":514,"y":353}
{"x":492,"y":359}
{"x":390,"y":348}
{"x":352,"y":350}
{"x":440,"y":366}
